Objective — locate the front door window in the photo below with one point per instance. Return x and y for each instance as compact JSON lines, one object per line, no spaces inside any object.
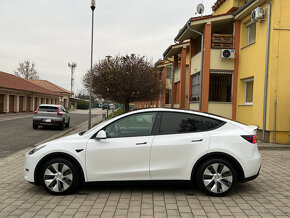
{"x":131,"y":126}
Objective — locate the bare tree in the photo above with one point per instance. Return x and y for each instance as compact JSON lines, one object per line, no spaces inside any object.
{"x":126,"y":79}
{"x":27,"y":70}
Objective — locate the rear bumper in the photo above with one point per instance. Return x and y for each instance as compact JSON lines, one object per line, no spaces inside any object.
{"x":53,"y":122}
{"x":251,"y":177}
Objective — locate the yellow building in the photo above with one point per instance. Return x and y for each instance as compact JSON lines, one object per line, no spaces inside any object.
{"x":252,"y":85}
{"x":264,"y":80}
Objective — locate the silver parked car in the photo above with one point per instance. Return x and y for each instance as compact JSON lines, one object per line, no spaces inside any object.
{"x":51,"y":115}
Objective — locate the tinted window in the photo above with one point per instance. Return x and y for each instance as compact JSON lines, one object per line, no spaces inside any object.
{"x":47,"y":109}
{"x":133,"y":125}
{"x":174,"y":123}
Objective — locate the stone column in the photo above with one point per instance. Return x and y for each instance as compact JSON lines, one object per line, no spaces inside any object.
{"x":16,"y":103}
{"x":182,"y":79}
{"x":206,"y":68}
{"x":25,"y":103}
{"x":6,"y":103}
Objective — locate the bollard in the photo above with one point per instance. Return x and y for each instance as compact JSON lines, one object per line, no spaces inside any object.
{"x":103,"y":117}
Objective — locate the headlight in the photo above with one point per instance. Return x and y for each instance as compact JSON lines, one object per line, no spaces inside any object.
{"x":36,"y":149}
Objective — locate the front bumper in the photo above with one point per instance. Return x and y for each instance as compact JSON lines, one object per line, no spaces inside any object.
{"x":29,"y":167}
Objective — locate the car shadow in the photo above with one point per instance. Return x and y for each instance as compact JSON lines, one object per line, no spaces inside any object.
{"x":50,"y":128}
{"x":156,"y":186}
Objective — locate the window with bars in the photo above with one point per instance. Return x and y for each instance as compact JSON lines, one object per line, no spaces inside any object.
{"x":220,"y":86}
{"x":168,"y":96}
{"x":195,"y":87}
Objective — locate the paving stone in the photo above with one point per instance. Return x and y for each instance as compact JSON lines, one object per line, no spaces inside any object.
{"x":267,"y":196}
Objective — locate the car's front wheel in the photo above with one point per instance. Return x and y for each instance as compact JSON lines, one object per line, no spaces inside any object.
{"x":216,"y":177}
{"x":59,"y":176}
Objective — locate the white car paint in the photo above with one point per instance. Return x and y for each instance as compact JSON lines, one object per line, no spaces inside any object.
{"x":163,"y":157}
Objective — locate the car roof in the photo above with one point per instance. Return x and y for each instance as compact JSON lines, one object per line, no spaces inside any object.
{"x":50,"y":105}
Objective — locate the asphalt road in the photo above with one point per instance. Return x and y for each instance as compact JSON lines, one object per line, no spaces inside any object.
{"x":18,"y":134}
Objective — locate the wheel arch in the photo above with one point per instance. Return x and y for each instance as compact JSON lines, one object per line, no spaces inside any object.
{"x":231,"y":159}
{"x":57,"y":155}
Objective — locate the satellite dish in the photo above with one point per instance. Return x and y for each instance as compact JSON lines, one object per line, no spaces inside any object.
{"x":200,"y":9}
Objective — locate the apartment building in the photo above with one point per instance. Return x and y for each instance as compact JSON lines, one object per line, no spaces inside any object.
{"x":233,"y":63}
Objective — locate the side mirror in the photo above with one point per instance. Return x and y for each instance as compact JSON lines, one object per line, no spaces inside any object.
{"x":101,"y":135}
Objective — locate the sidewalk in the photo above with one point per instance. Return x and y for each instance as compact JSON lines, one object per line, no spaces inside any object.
{"x":269,"y":146}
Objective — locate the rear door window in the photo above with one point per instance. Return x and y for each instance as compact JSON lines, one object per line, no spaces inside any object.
{"x":47,"y":109}
{"x":175,"y":123}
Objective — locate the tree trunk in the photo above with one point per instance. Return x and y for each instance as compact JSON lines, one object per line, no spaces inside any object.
{"x":126,"y":103}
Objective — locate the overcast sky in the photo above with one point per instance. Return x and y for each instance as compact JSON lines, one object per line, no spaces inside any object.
{"x":52,"y":33}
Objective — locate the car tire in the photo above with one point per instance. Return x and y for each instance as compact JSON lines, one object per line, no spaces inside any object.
{"x":59,"y":176}
{"x":35,"y":126}
{"x":216,"y":177}
{"x":67,"y":124}
{"x":62,"y":125}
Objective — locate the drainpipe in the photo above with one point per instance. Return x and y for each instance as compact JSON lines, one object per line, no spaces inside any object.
{"x":266,"y":69}
{"x":201,"y":64}
{"x":275,"y":120}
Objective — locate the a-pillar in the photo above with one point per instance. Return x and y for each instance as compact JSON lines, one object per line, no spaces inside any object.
{"x":6,"y":103}
{"x":182,"y":78}
{"x":163,"y":94}
{"x":236,"y":68}
{"x":16,"y":103}
{"x":175,"y":65}
{"x":206,"y":67}
{"x":192,"y":51}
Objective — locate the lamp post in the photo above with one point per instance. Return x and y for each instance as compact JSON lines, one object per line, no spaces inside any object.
{"x":93,"y":3}
{"x":108,"y":57}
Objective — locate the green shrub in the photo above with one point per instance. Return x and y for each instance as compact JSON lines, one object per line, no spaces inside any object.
{"x":82,"y":104}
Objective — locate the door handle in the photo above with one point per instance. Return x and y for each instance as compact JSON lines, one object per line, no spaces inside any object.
{"x":141,"y":143}
{"x":197,"y":140}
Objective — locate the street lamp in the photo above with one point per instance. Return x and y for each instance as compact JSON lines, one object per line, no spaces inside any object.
{"x":93,"y":6}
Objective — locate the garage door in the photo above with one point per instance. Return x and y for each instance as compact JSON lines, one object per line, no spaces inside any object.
{"x":11,"y":103}
{"x":20,"y":103}
{"x":1,"y":103}
{"x":28,"y":104}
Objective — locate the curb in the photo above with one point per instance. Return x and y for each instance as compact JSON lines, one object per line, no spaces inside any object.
{"x":274,"y":148}
{"x":65,"y":132}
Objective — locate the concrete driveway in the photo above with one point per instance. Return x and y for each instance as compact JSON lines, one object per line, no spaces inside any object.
{"x":267,"y":196}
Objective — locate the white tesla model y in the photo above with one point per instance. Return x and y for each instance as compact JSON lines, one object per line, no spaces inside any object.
{"x":150,"y":144}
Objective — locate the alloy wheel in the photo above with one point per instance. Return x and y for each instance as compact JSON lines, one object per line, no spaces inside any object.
{"x":217,"y":178}
{"x":58,"y":177}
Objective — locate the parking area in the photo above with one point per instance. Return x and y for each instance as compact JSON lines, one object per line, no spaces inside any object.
{"x":267,"y":196}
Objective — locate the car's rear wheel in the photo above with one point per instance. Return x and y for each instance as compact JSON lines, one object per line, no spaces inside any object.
{"x":62,"y":125}
{"x":59,"y":176}
{"x":35,"y":126}
{"x":67,"y":124}
{"x":216,"y":177}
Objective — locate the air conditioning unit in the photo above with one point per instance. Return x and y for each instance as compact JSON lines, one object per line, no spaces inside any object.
{"x":258,"y":14}
{"x":227,"y":53}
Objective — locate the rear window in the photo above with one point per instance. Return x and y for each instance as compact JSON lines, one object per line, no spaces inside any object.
{"x":47,"y":109}
{"x":175,"y":123}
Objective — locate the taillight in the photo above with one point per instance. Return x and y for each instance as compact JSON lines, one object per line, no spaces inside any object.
{"x":250,"y":138}
{"x":59,"y":113}
{"x":35,"y":112}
